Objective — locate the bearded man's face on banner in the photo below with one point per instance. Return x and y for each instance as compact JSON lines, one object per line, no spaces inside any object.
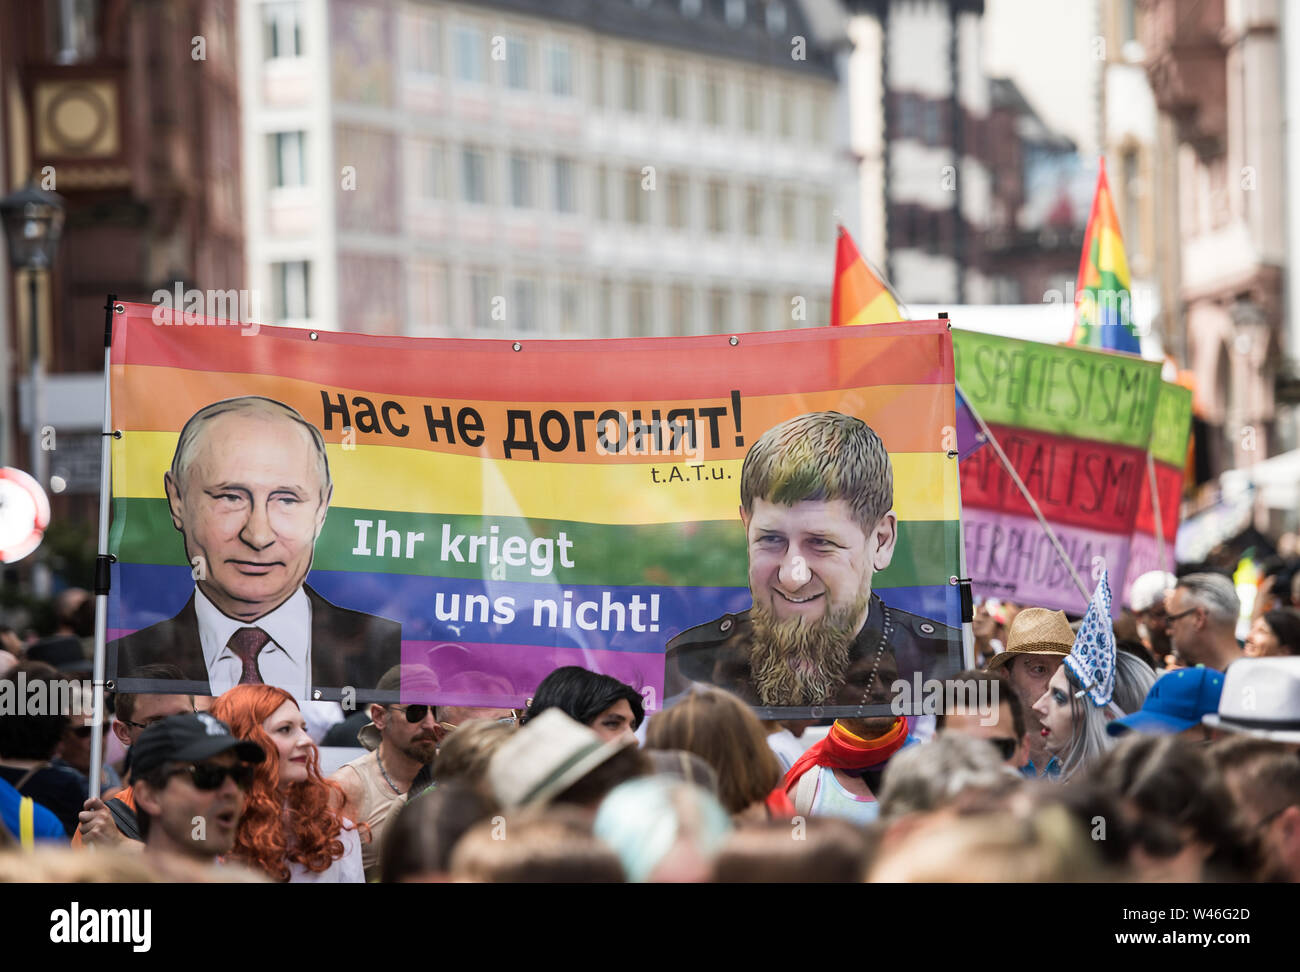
{"x":810,"y":571}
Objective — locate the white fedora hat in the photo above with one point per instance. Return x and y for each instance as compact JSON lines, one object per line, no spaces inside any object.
{"x":1261,"y":697}
{"x":545,"y":757}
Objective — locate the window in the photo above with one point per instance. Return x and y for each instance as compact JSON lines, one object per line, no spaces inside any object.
{"x":425,"y":40}
{"x":561,"y":70}
{"x":640,"y":310}
{"x":636,"y":198}
{"x":71,"y":32}
{"x":692,"y":8}
{"x":281,"y":30}
{"x":681,"y":311}
{"x":288,"y":159}
{"x":714,"y":110}
{"x":674,"y":105}
{"x":931,"y":122}
{"x":753,"y":109}
{"x":735,"y":11}
{"x":598,"y":80}
{"x":753,"y":211}
{"x":907,"y":112}
{"x":675,"y":191}
{"x":521,"y":181}
{"x":428,"y":297}
{"x":605,"y":307}
{"x":470,"y":65}
{"x":291,"y":285}
{"x":602,"y":193}
{"x":785,"y":115}
{"x":430,"y":164}
{"x":719,"y":312}
{"x":482,"y":290}
{"x":524,"y":314}
{"x":473,"y":175}
{"x":789,"y":217}
{"x":821,"y":120}
{"x":716,"y":194}
{"x":517,"y":64}
{"x":822,"y":215}
{"x":569,"y":296}
{"x":776,"y":19}
{"x":633,"y":85}
{"x":757,"y":312}
{"x":563,"y":187}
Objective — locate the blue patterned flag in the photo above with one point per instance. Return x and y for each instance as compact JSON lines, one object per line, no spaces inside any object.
{"x":1092,"y":659}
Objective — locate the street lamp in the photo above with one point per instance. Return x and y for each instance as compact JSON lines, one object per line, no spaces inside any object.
{"x":33,"y":223}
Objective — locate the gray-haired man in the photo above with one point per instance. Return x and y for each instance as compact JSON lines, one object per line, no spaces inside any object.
{"x":1202,"y":621}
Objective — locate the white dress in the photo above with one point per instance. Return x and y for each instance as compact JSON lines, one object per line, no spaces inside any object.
{"x":343,"y":870}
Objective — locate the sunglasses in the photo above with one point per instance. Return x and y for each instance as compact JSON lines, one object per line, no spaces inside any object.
{"x":414,"y":713}
{"x":210,"y":776}
{"x":1171,"y":618}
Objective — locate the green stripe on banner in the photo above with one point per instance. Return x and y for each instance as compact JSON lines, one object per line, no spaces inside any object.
{"x":1173,"y":425}
{"x":1072,"y":391}
{"x":700,"y":554}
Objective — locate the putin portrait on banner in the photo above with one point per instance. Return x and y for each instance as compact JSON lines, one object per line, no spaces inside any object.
{"x":248,"y":489}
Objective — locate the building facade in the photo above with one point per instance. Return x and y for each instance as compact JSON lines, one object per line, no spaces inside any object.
{"x":1217,"y":75}
{"x":519,"y":168}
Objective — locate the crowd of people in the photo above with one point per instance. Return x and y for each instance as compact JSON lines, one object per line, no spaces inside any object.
{"x":1189,"y":772}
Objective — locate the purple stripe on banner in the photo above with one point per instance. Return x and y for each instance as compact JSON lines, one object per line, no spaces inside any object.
{"x":438,"y":609}
{"x":506,"y":676}
{"x":1011,"y":558}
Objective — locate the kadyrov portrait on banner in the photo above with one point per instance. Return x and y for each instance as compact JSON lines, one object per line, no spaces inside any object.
{"x":816,"y":501}
{"x":248,"y":489}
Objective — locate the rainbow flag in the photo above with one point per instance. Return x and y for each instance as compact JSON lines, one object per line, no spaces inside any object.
{"x":1103,"y":301}
{"x":858,"y":295}
{"x":566,"y":503}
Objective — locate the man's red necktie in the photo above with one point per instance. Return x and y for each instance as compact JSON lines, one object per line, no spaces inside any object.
{"x":246,"y":643}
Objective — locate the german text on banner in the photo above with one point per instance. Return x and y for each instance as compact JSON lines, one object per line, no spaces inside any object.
{"x":1077,"y":425}
{"x":312,"y":509}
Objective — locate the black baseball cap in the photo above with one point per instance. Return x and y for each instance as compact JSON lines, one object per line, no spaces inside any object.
{"x":188,"y":738}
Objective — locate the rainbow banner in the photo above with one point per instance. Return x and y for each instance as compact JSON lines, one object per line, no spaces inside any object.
{"x":496,"y":510}
{"x":1077,"y":426}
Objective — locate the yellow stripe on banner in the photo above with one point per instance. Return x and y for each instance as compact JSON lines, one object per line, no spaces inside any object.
{"x":416,"y":481}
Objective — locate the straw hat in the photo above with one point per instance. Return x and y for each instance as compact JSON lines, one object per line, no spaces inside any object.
{"x":1036,"y":631}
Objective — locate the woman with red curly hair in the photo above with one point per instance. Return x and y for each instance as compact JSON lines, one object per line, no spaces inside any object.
{"x":293,"y":827}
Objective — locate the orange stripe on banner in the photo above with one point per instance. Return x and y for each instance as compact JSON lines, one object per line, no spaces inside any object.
{"x":909,"y":418}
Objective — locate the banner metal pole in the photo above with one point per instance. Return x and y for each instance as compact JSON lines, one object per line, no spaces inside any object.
{"x":103,"y":576}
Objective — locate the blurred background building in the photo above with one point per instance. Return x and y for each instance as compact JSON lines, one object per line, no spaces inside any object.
{"x":535,"y":168}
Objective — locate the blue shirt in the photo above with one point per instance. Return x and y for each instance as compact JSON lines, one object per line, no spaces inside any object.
{"x":1051,"y":773}
{"x":45,"y":824}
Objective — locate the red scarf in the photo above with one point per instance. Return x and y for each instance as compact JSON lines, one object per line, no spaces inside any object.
{"x":841,"y":749}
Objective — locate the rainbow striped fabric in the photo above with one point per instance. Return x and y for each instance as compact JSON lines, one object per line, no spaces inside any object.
{"x":587,"y":537}
{"x":858,"y":296}
{"x":1103,"y":302}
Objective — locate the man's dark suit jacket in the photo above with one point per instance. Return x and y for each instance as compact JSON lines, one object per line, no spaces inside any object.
{"x":347,"y":648}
